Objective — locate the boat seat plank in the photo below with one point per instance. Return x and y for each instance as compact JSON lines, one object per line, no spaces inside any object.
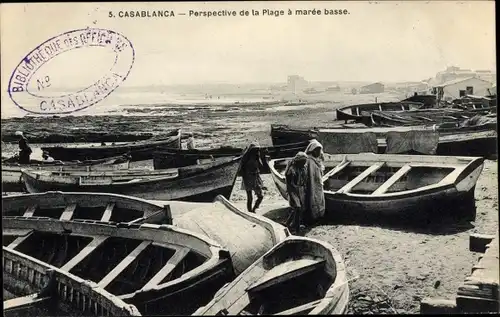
{"x":286,"y":271}
{"x":85,"y":251}
{"x":178,"y":256}
{"x":299,"y":309}
{"x":30,"y":211}
{"x":68,"y":212}
{"x":392,"y":180}
{"x":349,"y":186}
{"x":19,"y":240}
{"x":107,"y":213}
{"x":123,"y":264}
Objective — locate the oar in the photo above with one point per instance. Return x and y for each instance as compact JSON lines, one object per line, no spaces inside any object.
{"x":337,"y":168}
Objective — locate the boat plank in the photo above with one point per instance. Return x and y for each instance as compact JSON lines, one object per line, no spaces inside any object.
{"x":299,"y":309}
{"x":392,"y":180}
{"x":178,"y":256}
{"x":68,"y":212}
{"x":30,"y":211}
{"x":349,"y":186}
{"x":285,"y":271}
{"x":123,"y":264}
{"x":85,"y":252}
{"x":107,"y":213}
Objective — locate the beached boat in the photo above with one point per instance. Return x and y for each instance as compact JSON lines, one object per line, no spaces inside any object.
{"x":478,"y":140}
{"x":160,"y":269}
{"x":298,"y":276}
{"x":376,"y":185}
{"x":201,"y":182}
{"x":169,"y":158}
{"x":90,"y":206}
{"x":246,"y":235}
{"x":28,"y":288}
{"x":423,"y":116}
{"x":11,"y":170}
{"x":360,"y":113}
{"x":140,"y":150}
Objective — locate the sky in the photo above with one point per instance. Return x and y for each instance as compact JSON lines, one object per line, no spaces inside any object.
{"x":377,"y":41}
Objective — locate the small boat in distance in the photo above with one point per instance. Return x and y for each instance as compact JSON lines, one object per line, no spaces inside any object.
{"x":298,"y":276}
{"x":375,"y":185}
{"x":140,"y":150}
{"x":197,"y":183}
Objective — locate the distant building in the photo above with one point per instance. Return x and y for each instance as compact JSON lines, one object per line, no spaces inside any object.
{"x":455,"y":73}
{"x":457,"y":88}
{"x":296,"y":83}
{"x":372,"y":89}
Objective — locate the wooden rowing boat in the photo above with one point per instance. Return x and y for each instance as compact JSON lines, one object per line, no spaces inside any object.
{"x":201,"y":182}
{"x":479,"y":140}
{"x":169,"y":158}
{"x":376,"y":185}
{"x":160,"y":269}
{"x":298,"y":276}
{"x":89,"y":206}
{"x":282,"y":134}
{"x":11,"y":171}
{"x":140,"y":150}
{"x":246,"y":235}
{"x":423,"y":116}
{"x":362,"y":112}
{"x":31,"y":282}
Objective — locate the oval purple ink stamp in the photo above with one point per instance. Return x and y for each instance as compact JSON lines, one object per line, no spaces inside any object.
{"x":63,"y":74}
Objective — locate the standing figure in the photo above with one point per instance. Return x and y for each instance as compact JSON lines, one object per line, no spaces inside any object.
{"x":315,"y":197}
{"x":250,"y":172}
{"x":24,"y":149}
{"x":296,"y":181}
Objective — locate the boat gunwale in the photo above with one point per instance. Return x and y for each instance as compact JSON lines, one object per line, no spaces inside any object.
{"x":170,"y":137}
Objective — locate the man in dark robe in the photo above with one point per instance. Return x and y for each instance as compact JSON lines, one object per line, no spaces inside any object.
{"x":251,"y":165}
{"x":296,"y":179}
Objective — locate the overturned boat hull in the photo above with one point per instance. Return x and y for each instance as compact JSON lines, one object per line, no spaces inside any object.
{"x":360,"y":113}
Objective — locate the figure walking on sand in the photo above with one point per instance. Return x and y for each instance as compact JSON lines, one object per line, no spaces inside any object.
{"x":315,"y":197}
{"x":296,"y":181}
{"x":24,"y":149}
{"x":250,"y":172}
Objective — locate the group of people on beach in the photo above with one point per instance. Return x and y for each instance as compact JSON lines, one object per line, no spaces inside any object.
{"x":304,"y":184}
{"x":25,"y":150}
